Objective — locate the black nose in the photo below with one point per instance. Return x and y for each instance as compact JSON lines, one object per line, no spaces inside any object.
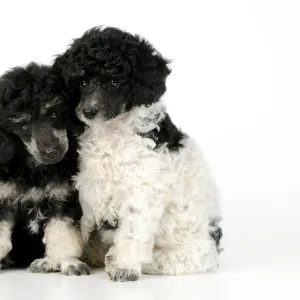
{"x":89,"y":113}
{"x":51,"y":152}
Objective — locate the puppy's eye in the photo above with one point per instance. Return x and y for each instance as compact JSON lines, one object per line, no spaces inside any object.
{"x":83,"y":83}
{"x":54,"y":115}
{"x":113,"y":83}
{"x":25,"y":127}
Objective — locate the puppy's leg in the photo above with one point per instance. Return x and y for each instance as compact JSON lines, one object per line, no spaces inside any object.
{"x":185,"y":252}
{"x":64,"y":246}
{"x":94,"y":250}
{"x":6,"y":226}
{"x":130,"y":246}
{"x":87,"y":222}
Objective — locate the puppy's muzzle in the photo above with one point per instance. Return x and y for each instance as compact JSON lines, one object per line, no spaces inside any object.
{"x":51,"y":152}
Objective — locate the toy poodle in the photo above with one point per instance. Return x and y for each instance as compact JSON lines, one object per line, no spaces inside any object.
{"x":150,"y":204}
{"x":39,"y":207}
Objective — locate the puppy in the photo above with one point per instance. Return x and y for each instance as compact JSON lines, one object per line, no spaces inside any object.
{"x":143,"y":184}
{"x":39,"y":208}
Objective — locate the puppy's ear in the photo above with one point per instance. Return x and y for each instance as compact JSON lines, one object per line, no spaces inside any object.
{"x":7,"y":148}
{"x":150,"y":71}
{"x":67,"y":68}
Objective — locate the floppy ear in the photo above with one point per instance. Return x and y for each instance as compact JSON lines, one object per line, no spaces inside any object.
{"x":150,"y":70}
{"x":7,"y":148}
{"x":68,"y":68}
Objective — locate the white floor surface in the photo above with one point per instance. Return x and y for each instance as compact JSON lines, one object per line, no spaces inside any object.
{"x":245,"y":273}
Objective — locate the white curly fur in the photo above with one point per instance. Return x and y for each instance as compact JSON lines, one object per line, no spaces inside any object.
{"x":165,"y":201}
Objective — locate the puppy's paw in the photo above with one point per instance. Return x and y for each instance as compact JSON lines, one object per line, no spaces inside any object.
{"x":43,"y":265}
{"x":209,"y":261}
{"x":123,"y":275}
{"x":5,"y":263}
{"x":117,"y":273}
{"x":5,"y":247}
{"x":74,"y":267}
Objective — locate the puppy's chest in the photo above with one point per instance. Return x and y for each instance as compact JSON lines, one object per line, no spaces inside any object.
{"x":14,"y":193}
{"x":115,"y":166}
{"x":115,"y":156}
{"x":33,"y":205}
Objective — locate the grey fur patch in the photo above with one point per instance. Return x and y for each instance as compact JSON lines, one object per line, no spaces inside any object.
{"x":33,"y":194}
{"x":133,"y":210}
{"x":8,"y":190}
{"x":33,"y":150}
{"x":53,"y":190}
{"x":50,"y":104}
{"x":34,"y":226}
{"x":58,"y":191}
{"x":21,"y":118}
{"x":61,"y":135}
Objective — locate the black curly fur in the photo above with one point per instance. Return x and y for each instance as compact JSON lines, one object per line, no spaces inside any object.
{"x":7,"y":148}
{"x":167,"y":134}
{"x":110,"y":53}
{"x":27,"y":90}
{"x":105,"y":54}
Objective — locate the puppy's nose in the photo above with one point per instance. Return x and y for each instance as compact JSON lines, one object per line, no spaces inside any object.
{"x":89,"y":113}
{"x":51,"y":151}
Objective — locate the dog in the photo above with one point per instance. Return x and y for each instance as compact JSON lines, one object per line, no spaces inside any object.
{"x":39,"y":207}
{"x":149,"y":201}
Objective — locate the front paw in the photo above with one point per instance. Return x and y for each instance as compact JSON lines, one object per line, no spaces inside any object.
{"x":123,"y":275}
{"x":74,"y":267}
{"x":119,"y":274}
{"x":43,"y":265}
{"x":5,"y":263}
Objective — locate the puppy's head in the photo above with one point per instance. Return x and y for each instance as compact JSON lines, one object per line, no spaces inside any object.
{"x":33,"y":110}
{"x":109,"y":71}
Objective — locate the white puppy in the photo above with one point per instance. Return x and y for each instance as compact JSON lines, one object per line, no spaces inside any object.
{"x":143,"y":198}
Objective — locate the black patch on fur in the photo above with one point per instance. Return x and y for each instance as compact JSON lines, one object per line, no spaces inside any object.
{"x":168,"y":134}
{"x":217,"y":235}
{"x":7,"y":148}
{"x":106,"y":225}
{"x":26,"y":246}
{"x":216,"y":232}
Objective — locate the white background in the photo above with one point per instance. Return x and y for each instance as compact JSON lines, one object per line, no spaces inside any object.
{"x":235,"y":87}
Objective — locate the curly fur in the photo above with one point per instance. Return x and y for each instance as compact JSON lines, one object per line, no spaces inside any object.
{"x":36,"y":191}
{"x":112,"y":53}
{"x":144,"y":185}
{"x":7,"y":148}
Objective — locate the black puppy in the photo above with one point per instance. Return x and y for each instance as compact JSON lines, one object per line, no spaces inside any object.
{"x":39,"y":208}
